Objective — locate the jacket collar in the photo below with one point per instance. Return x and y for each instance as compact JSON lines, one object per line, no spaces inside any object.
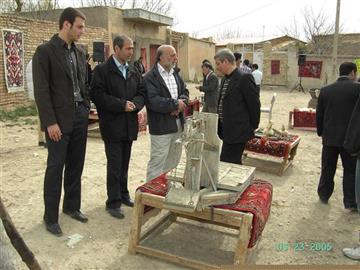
{"x":343,"y":78}
{"x":59,"y":50}
{"x":113,"y":68}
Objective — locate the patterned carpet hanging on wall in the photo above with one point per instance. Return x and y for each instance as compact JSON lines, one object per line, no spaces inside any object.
{"x":13,"y":45}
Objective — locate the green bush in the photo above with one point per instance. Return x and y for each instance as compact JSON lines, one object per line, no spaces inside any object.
{"x":17,"y":113}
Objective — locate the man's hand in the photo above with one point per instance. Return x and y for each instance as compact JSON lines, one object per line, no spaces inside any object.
{"x":54,"y":132}
{"x":130,"y":106}
{"x":174,"y":113}
{"x":182,"y":105}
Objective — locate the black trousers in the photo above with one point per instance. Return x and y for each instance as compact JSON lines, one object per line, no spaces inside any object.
{"x":329,"y":160}
{"x":69,"y":152}
{"x":232,"y":153}
{"x":118,"y":158}
{"x":258,"y":89}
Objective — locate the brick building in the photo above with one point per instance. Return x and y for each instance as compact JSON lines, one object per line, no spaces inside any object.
{"x":34,"y":32}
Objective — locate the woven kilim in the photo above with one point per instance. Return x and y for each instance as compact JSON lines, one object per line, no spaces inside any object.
{"x":13,"y":59}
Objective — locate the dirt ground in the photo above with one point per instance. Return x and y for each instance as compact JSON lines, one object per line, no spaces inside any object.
{"x":296,"y":215}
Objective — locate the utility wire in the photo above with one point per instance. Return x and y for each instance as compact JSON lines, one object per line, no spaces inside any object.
{"x":233,"y":19}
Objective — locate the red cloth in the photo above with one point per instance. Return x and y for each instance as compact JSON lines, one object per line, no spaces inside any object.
{"x":304,"y":118}
{"x":265,"y":145}
{"x":256,"y":199}
{"x":194,"y":105}
{"x":275,"y":67}
{"x":310,"y":69}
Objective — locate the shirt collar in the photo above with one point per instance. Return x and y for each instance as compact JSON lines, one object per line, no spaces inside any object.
{"x":162,"y":70}
{"x":119,"y":65}
{"x":63,"y":43}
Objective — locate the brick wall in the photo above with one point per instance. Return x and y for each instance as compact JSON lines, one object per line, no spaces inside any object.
{"x":34,"y":32}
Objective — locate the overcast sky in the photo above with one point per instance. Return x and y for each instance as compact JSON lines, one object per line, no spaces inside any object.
{"x":254,"y":18}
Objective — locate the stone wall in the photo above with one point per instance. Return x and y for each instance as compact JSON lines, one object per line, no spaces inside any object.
{"x":34,"y":32}
{"x":198,"y":51}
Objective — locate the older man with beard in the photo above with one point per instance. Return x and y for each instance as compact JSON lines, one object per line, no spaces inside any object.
{"x":166,"y":99}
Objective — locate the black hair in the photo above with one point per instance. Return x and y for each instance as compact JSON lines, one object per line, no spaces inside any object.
{"x":237,"y":56}
{"x":70,"y":14}
{"x":120,"y":40}
{"x":207,"y":64}
{"x":346,"y":68}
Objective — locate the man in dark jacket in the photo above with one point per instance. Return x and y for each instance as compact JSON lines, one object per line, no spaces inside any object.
{"x":352,"y":145}
{"x":238,"y":107}
{"x":59,"y":72}
{"x":210,"y":88}
{"x":139,"y":65}
{"x":166,"y":99}
{"x":118,"y":93}
{"x":335,"y":106}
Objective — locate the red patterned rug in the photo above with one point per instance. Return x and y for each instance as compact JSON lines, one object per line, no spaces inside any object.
{"x":271,"y":146}
{"x":305,"y":118}
{"x":13,"y":60}
{"x":256,"y":199}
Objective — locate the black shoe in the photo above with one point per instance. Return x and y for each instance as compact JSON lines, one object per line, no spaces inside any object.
{"x":127,"y":201}
{"x":115,"y":212}
{"x":76,"y":215}
{"x":324,"y":201}
{"x":54,"y":229}
{"x":42,"y":144}
{"x":351,"y":207}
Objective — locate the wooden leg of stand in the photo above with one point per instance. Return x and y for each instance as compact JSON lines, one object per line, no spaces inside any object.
{"x":135,"y":231}
{"x":243,"y":240}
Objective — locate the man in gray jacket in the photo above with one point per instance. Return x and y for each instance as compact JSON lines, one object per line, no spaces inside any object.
{"x":166,"y":99}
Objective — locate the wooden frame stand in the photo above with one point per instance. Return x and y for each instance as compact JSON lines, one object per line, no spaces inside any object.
{"x":227,"y":218}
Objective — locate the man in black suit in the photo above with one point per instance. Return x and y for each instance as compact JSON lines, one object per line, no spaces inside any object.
{"x":335,"y":106}
{"x":238,"y":107}
{"x":210,"y":88}
{"x":59,"y":72}
{"x":118,"y":93}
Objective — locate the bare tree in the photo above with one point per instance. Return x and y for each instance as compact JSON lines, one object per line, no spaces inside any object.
{"x":9,"y":6}
{"x":103,"y":3}
{"x":156,"y":6}
{"x":316,"y":25}
{"x":27,"y":5}
{"x":292,"y":30}
{"x":228,"y":33}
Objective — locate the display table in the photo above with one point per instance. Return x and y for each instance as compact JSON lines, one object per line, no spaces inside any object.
{"x":248,"y":216}
{"x":302,"y":119}
{"x":260,"y":149}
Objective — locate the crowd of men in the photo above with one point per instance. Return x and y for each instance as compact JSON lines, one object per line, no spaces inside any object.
{"x":120,"y":90}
